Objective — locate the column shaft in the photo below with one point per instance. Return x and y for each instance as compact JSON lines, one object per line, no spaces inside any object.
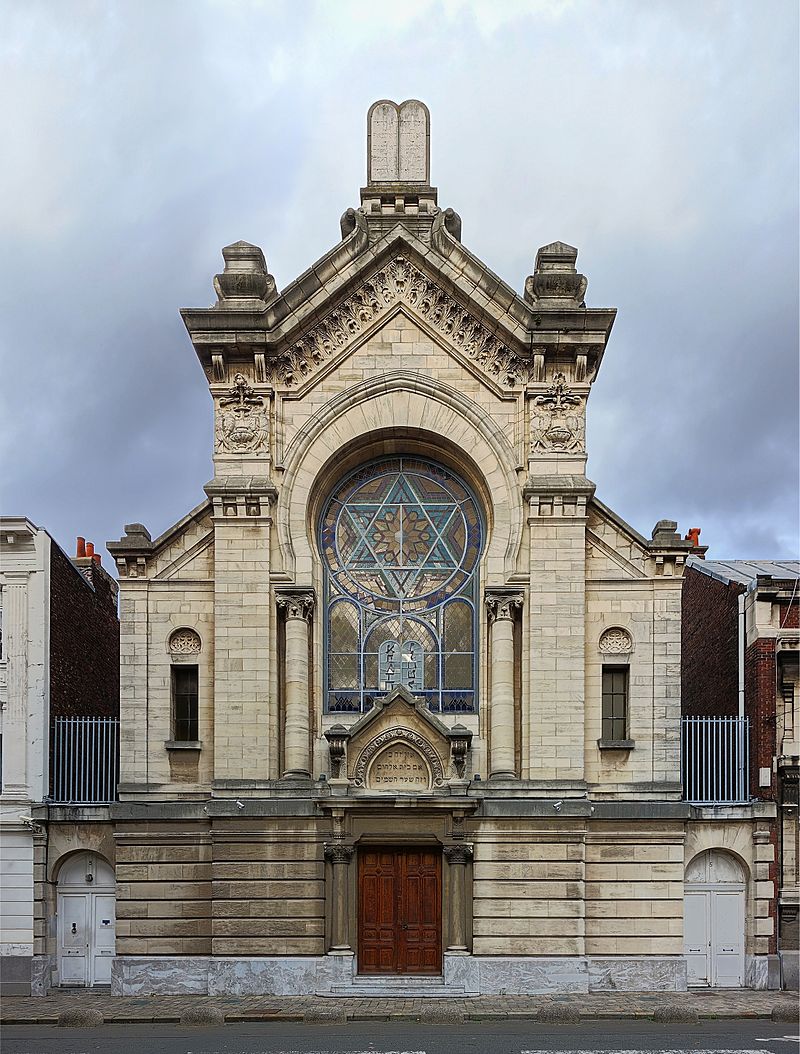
{"x":296,"y":746}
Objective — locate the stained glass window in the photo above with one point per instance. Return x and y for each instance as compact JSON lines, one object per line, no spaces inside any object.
{"x":401,"y":540}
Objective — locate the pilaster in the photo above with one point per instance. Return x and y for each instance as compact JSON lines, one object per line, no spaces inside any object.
{"x":243,"y":624}
{"x":555,"y":631}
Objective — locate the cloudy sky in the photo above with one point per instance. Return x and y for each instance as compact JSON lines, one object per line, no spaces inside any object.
{"x":659,"y":137}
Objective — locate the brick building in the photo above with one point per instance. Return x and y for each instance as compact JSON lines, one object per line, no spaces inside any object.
{"x":59,"y":695}
{"x":740,"y":642}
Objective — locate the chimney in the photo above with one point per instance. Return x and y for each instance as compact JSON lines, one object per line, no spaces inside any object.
{"x":693,"y":535}
{"x":98,"y":559}
{"x":81,"y":550}
{"x":90,"y":550}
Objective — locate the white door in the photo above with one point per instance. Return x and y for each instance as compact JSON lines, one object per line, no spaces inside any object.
{"x":697,"y":938}
{"x":86,"y":921}
{"x":727,"y":938}
{"x":73,"y":940}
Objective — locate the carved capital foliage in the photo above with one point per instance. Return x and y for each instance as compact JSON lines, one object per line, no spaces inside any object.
{"x":400,"y":281}
{"x":558,"y":419}
{"x":296,"y":605}
{"x":458,"y":854}
{"x":338,"y":853}
{"x":503,"y":605}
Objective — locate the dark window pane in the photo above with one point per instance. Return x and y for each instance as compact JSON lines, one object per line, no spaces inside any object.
{"x":184,"y":703}
{"x":615,"y":702}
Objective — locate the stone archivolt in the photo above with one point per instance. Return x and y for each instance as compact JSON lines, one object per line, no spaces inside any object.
{"x":400,"y":282}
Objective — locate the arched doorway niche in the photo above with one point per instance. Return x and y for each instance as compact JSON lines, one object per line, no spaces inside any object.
{"x":86,"y":921}
{"x":715,"y":887}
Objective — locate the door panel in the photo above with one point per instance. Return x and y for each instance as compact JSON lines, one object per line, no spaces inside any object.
{"x":102,"y":943}
{"x":73,"y":938}
{"x":400,"y":911}
{"x":696,"y":938}
{"x":727,"y":935}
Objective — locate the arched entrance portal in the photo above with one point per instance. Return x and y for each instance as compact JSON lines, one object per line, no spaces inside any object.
{"x":714,"y":920}
{"x":86,"y":921}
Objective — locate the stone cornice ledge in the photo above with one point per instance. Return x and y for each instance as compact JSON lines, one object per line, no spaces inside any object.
{"x":566,"y":484}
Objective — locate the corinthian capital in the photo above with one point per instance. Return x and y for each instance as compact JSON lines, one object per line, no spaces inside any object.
{"x":338,"y":853}
{"x":296,"y":605}
{"x":458,"y":854}
{"x":503,"y":605}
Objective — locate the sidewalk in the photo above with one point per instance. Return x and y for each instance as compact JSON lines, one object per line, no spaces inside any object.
{"x":733,"y":1003}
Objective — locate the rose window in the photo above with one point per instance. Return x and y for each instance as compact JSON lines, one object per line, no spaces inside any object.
{"x":400,"y":540}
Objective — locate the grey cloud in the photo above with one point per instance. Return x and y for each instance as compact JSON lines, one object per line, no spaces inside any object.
{"x":659,"y":139}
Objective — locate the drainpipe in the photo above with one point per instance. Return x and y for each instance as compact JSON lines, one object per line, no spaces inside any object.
{"x":742,"y":633}
{"x":742,"y":774}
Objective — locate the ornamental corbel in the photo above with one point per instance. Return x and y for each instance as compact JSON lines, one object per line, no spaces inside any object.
{"x":338,"y":737}
{"x":460,"y":743}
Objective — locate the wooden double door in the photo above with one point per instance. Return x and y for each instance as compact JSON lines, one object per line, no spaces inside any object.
{"x":400,"y":911}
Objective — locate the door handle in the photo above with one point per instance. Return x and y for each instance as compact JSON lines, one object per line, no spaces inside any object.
{"x":404,"y":925}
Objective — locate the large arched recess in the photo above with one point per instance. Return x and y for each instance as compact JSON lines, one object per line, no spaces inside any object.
{"x":396,"y":413}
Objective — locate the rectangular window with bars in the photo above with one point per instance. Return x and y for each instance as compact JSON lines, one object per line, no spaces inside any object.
{"x":184,"y":704}
{"x":615,"y":703}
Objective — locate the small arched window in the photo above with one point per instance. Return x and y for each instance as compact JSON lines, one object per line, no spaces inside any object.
{"x":401,"y":540}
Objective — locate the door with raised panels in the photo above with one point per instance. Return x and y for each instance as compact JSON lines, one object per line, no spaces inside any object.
{"x":400,"y":911}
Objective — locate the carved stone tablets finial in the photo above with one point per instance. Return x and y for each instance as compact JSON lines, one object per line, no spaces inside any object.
{"x":398,"y":142}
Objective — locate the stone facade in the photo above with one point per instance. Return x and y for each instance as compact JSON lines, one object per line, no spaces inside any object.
{"x":561,"y":848}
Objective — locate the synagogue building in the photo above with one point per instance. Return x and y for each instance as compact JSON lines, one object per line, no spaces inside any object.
{"x":401,"y":697}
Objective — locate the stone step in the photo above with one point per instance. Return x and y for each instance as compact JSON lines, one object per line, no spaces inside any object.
{"x":396,"y":988}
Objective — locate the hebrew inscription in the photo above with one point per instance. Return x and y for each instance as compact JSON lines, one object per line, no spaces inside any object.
{"x":399,"y":767}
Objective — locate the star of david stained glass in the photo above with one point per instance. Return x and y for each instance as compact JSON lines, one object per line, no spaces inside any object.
{"x":401,"y":539}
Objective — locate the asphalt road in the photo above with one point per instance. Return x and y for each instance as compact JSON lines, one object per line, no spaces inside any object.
{"x":520,"y":1037}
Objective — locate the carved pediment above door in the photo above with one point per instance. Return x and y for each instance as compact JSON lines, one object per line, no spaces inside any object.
{"x":399,"y":746}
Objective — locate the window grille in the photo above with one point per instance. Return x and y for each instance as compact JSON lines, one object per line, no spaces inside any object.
{"x":85,"y":752}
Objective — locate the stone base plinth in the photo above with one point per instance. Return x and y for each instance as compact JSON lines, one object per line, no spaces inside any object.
{"x":762,"y":972}
{"x":462,"y":974}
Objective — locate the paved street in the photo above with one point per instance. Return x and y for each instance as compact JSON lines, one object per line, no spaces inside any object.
{"x":507,"y":1037}
{"x":721,"y":1003}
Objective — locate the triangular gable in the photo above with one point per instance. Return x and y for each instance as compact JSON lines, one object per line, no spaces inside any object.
{"x":185,"y":548}
{"x":489,"y":343}
{"x":613,"y":548}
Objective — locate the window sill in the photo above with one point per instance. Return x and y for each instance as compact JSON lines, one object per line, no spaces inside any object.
{"x":183,"y":744}
{"x":616,"y":744}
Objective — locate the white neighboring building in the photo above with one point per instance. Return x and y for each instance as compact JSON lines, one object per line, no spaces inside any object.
{"x":24,"y":587}
{"x":59,"y":671}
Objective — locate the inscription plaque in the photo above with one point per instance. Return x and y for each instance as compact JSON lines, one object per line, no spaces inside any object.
{"x":399,"y":767}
